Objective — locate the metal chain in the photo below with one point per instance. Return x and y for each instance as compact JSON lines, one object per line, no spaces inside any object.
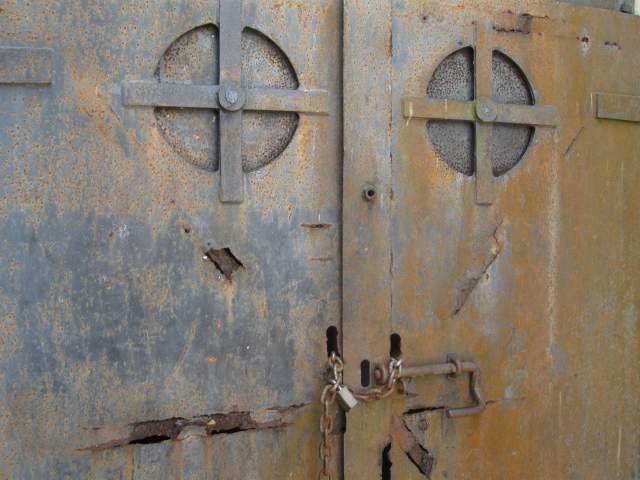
{"x":328,"y":398}
{"x":378,"y":393}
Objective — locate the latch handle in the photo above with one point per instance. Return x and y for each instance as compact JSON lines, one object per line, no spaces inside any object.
{"x":452,"y":368}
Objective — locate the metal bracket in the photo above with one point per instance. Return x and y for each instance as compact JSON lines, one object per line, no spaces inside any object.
{"x":617,"y":107}
{"x":452,"y":368}
{"x":26,"y":65}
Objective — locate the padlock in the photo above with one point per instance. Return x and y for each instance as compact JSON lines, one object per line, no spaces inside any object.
{"x":346,"y":400}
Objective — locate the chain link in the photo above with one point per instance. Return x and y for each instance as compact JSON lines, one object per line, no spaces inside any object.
{"x":379,"y":393}
{"x":328,"y":398}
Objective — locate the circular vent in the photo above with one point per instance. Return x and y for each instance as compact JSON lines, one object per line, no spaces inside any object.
{"x":454,"y":141}
{"x":193,"y":59}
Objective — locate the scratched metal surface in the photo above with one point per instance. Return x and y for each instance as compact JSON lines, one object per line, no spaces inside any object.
{"x":109,"y":316}
{"x":541,"y":288}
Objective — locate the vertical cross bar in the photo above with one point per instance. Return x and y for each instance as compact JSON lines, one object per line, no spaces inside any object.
{"x":484,"y":171}
{"x":483,"y":66}
{"x":231,"y":176}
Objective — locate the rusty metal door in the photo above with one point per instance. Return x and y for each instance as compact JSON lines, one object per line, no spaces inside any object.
{"x":492,"y":158}
{"x":169,"y":236}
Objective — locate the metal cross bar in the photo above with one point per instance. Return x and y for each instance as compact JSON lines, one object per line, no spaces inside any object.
{"x":144,"y":93}
{"x":231,"y":178}
{"x":483,"y":112}
{"x":484,"y":130}
{"x":534,"y":115}
{"x":229,"y":97}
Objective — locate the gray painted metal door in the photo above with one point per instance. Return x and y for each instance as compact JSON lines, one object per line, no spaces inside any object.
{"x":169,"y":236}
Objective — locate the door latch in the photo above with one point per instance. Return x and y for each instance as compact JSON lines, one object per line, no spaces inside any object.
{"x":452,"y":368}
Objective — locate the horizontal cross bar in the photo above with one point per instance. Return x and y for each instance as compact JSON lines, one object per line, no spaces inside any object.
{"x":281,"y":100}
{"x":535,"y":115}
{"x":155,"y":94}
{"x":422,"y":107}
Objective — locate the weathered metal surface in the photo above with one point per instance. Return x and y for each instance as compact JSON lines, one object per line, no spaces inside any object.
{"x":118,"y":330}
{"x":151,"y":331}
{"x":540,"y":289}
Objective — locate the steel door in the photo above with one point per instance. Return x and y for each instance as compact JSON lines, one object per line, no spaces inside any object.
{"x":498,"y":148}
{"x":160,"y":319}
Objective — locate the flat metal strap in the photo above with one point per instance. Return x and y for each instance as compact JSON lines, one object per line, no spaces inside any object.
{"x":230,"y":54}
{"x":231,"y":175}
{"x":535,"y":115}
{"x":483,"y":52}
{"x":416,"y":107}
{"x":611,"y":106}
{"x":230,"y":20}
{"x":485,"y":180}
{"x":154,"y":94}
{"x":281,"y":100}
{"x":26,"y":65}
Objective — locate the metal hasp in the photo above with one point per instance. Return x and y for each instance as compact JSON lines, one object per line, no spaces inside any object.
{"x":26,"y":65}
{"x":618,"y":107}
{"x":229,"y":97}
{"x":482,"y":111}
{"x":452,"y":367}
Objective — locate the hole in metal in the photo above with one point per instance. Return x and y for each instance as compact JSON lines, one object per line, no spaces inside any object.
{"x":332,"y":340}
{"x":365,"y":373}
{"x":386,"y":462}
{"x":396,"y":346}
{"x":369,"y":192}
{"x":224,"y":260}
{"x":150,"y":440}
